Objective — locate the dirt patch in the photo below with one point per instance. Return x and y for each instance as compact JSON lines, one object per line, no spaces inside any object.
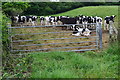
{"x":105,"y":38}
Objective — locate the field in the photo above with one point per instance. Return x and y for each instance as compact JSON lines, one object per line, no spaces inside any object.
{"x":56,"y":64}
{"x":101,"y":11}
{"x":76,"y":65}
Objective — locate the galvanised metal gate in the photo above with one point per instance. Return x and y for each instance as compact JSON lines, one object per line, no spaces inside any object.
{"x":53,"y":38}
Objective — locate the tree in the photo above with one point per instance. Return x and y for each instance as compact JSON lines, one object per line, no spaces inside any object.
{"x":14,"y":8}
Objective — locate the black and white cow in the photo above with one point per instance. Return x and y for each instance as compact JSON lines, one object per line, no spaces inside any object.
{"x":34,"y":20}
{"x":68,"y":20}
{"x":107,"y":21}
{"x":77,"y":31}
{"x":96,"y":19}
{"x":79,"y":19}
{"x":42,"y":20}
{"x":24,"y":19}
{"x":47,"y":20}
{"x":31,"y":20}
{"x":14,"y":19}
{"x":53,"y":20}
{"x":50,"y":20}
{"x":18,"y":19}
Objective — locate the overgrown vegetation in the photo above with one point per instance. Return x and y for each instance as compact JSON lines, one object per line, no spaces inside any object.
{"x":76,"y":65}
{"x":13,"y":66}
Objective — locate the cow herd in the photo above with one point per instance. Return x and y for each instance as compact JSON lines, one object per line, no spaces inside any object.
{"x":62,"y":20}
{"x":55,"y":20}
{"x":24,"y":19}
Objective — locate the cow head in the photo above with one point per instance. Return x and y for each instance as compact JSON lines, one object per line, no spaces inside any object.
{"x":113,"y":16}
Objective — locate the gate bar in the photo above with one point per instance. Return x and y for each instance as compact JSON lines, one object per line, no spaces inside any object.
{"x":49,"y":32}
{"x":55,"y":43}
{"x":80,"y":50}
{"x":52,"y":25}
{"x":54,"y":39}
{"x":53,"y":48}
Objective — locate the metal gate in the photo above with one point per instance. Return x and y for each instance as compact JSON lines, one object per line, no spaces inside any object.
{"x":53,"y":38}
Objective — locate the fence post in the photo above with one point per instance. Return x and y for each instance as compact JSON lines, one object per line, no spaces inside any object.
{"x":99,"y":33}
{"x":97,"y":36}
{"x":112,"y":32}
{"x":118,"y":36}
{"x":10,"y":37}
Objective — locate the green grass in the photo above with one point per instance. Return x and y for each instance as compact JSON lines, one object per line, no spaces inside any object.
{"x":76,"y":65}
{"x":101,"y":11}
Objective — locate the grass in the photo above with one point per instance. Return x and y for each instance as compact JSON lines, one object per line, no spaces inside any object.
{"x":101,"y":11}
{"x":76,"y":65}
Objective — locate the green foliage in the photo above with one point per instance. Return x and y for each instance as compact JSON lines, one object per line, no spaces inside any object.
{"x":14,"y":8}
{"x":12,"y":11}
{"x":41,"y":8}
{"x":45,"y":8}
{"x":5,"y":35}
{"x":12,"y":66}
{"x":114,"y":48}
{"x":16,"y":66}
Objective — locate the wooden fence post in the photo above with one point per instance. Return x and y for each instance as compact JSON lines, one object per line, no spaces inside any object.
{"x":118,"y":36}
{"x":9,"y":38}
{"x":112,"y":32}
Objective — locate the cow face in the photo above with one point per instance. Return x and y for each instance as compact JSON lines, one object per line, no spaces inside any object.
{"x":113,"y":16}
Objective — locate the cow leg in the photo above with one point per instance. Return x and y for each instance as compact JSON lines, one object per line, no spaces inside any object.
{"x":83,"y":25}
{"x":77,"y":22}
{"x":46,"y":22}
{"x":86,"y":25}
{"x":21,"y":24}
{"x":33,"y":23}
{"x":49,"y":23}
{"x":105,"y":25}
{"x":42,"y":22}
{"x":55,"y":23}
{"x":107,"y":28}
